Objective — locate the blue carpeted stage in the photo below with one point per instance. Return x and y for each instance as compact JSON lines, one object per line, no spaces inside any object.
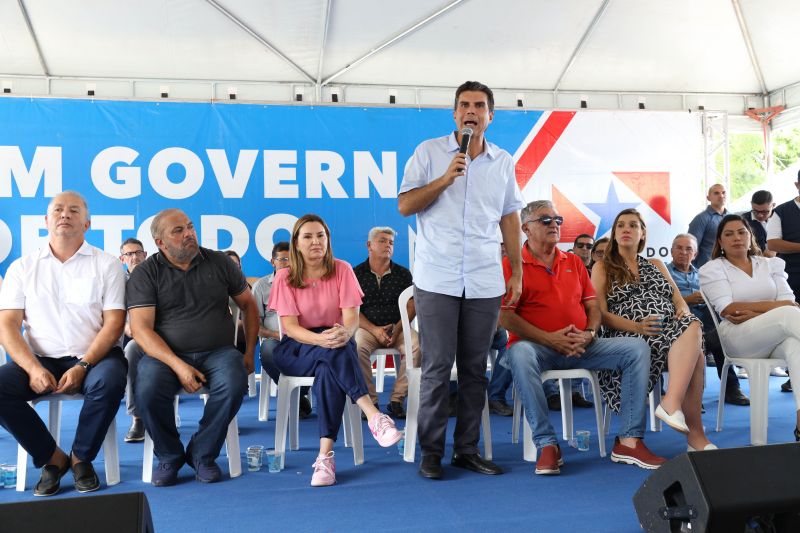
{"x":386,"y":494}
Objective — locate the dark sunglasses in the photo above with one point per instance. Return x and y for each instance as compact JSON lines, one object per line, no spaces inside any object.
{"x":586,"y":245}
{"x":547,"y":220}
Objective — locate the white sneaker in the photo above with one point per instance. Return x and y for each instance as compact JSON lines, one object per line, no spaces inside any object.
{"x":778,"y":372}
{"x":742,"y":373}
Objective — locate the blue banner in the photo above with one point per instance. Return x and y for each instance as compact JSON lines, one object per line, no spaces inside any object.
{"x":242,"y":172}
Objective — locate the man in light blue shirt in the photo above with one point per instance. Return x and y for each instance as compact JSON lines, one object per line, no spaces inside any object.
{"x":704,"y":225}
{"x":460,"y":200}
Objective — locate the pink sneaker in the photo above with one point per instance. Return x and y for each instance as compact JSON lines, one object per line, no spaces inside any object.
{"x":324,"y":471}
{"x":383,"y":430}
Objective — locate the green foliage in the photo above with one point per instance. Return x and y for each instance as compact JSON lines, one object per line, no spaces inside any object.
{"x":785,"y":148}
{"x":748,"y":167}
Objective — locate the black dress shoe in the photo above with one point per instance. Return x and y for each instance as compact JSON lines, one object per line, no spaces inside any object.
{"x":500,"y":407}
{"x":736,"y":397}
{"x":431,"y":467}
{"x":554,"y":402}
{"x":396,"y":409}
{"x":476,"y":463}
{"x":787,"y":387}
{"x":85,"y":477}
{"x":580,"y":401}
{"x":50,"y":481}
{"x":305,"y":407}
{"x":136,"y":431}
{"x":796,"y":434}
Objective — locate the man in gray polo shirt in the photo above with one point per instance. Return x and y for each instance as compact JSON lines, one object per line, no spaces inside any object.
{"x":178,"y":305}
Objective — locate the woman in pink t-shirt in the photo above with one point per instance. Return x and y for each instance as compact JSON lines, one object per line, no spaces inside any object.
{"x":318,"y":299}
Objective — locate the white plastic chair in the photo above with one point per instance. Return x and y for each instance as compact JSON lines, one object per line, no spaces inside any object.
{"x":110,"y":449}
{"x":414,"y":375}
{"x":564,"y":378}
{"x":758,"y":376}
{"x":231,"y":445}
{"x":2,"y":356}
{"x":379,"y":354}
{"x":251,"y":379}
{"x":287,"y":418}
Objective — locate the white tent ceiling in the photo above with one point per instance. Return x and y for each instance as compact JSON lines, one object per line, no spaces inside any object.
{"x":725,"y":54}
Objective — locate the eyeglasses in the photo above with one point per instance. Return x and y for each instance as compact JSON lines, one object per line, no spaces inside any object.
{"x":586,"y":245}
{"x":137,"y":253}
{"x":281,"y":259}
{"x":547,"y":220}
{"x":599,"y":253}
{"x":765,"y":212}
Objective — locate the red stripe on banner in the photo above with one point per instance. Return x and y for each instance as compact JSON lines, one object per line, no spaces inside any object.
{"x":540,"y":146}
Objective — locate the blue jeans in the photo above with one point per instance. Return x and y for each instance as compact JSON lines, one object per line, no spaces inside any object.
{"x":156,"y":386}
{"x":632,"y":356}
{"x":501,"y":376}
{"x":102,"y":390}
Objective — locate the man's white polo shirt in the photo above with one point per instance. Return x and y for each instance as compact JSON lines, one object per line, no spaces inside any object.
{"x":63,"y":302}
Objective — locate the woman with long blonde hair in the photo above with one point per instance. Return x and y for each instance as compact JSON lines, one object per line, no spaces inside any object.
{"x":317,"y":299}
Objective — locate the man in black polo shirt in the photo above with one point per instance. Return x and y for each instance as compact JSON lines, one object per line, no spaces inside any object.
{"x":178,"y":305}
{"x":382,"y":281}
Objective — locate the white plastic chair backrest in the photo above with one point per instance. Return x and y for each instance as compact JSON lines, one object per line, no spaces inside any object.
{"x":402,"y":303}
{"x":236,"y":315}
{"x":715,"y":319}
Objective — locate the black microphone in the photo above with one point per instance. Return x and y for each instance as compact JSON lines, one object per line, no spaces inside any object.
{"x":466,"y":135}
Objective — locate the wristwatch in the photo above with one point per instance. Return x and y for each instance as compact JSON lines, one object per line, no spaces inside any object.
{"x":590,"y":330}
{"x":86,"y":366}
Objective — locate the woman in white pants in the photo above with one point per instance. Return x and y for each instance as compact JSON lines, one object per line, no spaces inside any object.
{"x":760,"y":318}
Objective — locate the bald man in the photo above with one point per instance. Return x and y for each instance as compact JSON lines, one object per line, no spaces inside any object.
{"x":704,"y":225}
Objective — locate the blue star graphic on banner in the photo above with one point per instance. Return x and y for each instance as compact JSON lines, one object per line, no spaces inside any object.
{"x":608,"y":210}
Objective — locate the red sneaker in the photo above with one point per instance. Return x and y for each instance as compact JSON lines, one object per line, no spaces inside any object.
{"x":639,"y":455}
{"x":549,"y":460}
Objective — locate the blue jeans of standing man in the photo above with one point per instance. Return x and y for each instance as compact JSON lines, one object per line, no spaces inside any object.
{"x":528,"y":360}
{"x":156,"y":386}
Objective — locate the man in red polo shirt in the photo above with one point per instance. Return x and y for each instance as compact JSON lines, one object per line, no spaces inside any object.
{"x":552,"y":327}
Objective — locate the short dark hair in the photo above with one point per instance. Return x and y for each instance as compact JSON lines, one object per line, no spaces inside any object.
{"x":131,"y":240}
{"x":798,"y":175}
{"x":582,"y":236}
{"x":761,"y":197}
{"x":475,"y":86}
{"x":282,"y":246}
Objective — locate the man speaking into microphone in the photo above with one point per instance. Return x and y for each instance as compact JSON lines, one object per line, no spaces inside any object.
{"x":461,"y":187}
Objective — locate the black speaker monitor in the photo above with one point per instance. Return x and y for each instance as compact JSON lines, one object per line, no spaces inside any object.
{"x":752,"y":489}
{"x":117,"y":513}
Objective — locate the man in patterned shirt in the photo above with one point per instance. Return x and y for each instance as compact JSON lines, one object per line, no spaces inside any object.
{"x":382,"y":281}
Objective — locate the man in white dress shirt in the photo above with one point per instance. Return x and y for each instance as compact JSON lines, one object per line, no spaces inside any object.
{"x":460,"y":199}
{"x":70,"y":298}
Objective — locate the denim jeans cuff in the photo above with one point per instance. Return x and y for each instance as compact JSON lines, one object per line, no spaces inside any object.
{"x":547,"y":440}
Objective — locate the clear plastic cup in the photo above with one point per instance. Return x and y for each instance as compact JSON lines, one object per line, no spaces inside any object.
{"x":274,"y":461}
{"x":9,"y":476}
{"x":401,"y":444}
{"x":254,"y":458}
{"x":582,"y":440}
